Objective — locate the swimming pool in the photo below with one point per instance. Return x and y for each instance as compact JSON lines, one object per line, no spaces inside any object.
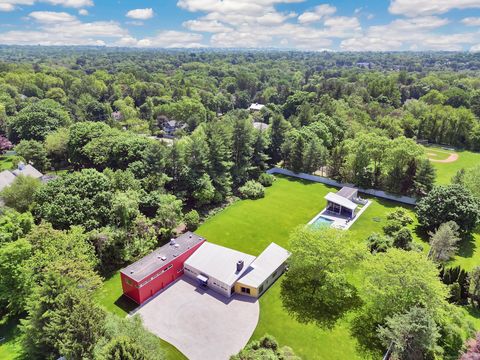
{"x":321,"y":222}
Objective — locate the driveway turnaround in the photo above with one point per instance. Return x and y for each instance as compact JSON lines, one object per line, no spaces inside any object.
{"x":201,"y":323}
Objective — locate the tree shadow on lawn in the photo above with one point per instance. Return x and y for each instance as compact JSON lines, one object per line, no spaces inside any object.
{"x":125,"y":304}
{"x":467,"y":246}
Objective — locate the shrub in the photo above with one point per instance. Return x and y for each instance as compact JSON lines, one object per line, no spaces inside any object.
{"x":192,"y":220}
{"x":378,"y":243}
{"x":403,"y":239}
{"x":266,"y":179}
{"x":401,"y":215}
{"x":252,"y":190}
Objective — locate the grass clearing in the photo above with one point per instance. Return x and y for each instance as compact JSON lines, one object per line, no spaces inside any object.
{"x":445,"y":171}
{"x":6,"y":162}
{"x":10,"y":346}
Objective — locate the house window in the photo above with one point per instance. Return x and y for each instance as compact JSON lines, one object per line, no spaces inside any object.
{"x":260,"y":289}
{"x":128,"y":281}
{"x":245,"y":290}
{"x":273,"y":275}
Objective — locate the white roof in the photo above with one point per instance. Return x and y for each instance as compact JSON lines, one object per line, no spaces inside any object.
{"x":256,"y":106}
{"x":264,"y":265}
{"x":340,"y":200}
{"x":6,"y":179}
{"x":219,"y":262}
{"x":260,"y":126}
{"x":28,"y":170}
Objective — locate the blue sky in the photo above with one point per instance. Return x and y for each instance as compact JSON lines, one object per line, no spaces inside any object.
{"x":287,"y":24}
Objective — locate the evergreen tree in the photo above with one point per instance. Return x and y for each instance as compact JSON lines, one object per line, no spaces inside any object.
{"x":278,"y":131}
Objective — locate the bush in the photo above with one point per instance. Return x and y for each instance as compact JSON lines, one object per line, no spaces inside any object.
{"x":252,"y":190}
{"x":378,"y":243}
{"x":401,"y":215}
{"x":192,"y":220}
{"x":403,"y":239}
{"x":266,"y":179}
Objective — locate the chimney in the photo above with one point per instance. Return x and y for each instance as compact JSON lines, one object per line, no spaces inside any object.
{"x":239,"y":265}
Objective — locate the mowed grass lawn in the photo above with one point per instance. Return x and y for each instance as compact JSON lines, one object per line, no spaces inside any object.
{"x":445,"y":171}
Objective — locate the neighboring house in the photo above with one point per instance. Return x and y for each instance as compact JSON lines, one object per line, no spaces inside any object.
{"x":27,"y":170}
{"x":265,"y":270}
{"x":117,"y":116}
{"x":170,"y":127}
{"x":7,"y":177}
{"x":260,"y":126}
{"x":256,"y":107}
{"x":144,"y":278}
{"x":218,"y":267}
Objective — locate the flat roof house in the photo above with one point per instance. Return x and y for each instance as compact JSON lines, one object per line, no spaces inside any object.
{"x":217,"y":267}
{"x":341,"y":202}
{"x":144,"y":278}
{"x":256,"y":107}
{"x":263,"y":272}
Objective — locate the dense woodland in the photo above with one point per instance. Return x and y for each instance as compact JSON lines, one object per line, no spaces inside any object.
{"x":94,"y":119}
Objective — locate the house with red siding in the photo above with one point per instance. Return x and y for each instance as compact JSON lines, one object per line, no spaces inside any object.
{"x":146,"y":277}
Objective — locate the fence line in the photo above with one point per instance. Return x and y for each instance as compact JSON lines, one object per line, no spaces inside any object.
{"x":378,"y":193}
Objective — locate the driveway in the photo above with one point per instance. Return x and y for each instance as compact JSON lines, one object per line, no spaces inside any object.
{"x":200,"y":323}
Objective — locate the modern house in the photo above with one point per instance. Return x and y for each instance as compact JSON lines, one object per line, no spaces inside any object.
{"x":170,"y":127}
{"x":218,"y":267}
{"x":263,"y":272}
{"x":342,"y":202}
{"x":256,"y":107}
{"x":144,"y":278}
{"x":228,"y":271}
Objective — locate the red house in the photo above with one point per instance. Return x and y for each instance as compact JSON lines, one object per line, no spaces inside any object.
{"x":144,"y":278}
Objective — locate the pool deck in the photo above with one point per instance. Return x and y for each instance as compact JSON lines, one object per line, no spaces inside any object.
{"x":339,"y":222}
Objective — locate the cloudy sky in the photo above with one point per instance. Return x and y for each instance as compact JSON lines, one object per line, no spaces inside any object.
{"x":376,"y":25}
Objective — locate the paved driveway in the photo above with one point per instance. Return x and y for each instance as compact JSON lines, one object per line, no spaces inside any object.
{"x":201,"y":324}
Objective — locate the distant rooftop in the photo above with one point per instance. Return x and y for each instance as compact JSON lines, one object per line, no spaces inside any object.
{"x":161,"y":256}
{"x":27,"y":170}
{"x":6,"y":179}
{"x":260,"y":126}
{"x":256,"y":107}
{"x":219,"y":262}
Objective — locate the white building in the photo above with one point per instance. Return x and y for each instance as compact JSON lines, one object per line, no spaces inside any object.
{"x":256,"y":107}
{"x":217,"y":267}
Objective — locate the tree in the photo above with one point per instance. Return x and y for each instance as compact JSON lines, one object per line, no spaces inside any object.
{"x":56,"y":146}
{"x":242,"y":148}
{"x":116,"y":328}
{"x":471,"y":180}
{"x":317,"y":287}
{"x":125,"y":208}
{"x":378,"y":243}
{"x":473,"y":348}
{"x":448,"y":203}
{"x":443,"y":243}
{"x":36,"y":121}
{"x":403,"y":238}
{"x":61,"y":320}
{"x":79,"y":198}
{"x":424,"y":178}
{"x":474,"y":289}
{"x":394,"y":282}
{"x":14,"y":225}
{"x":20,"y":194}
{"x":34,"y":153}
{"x":169,"y":213}
{"x":277,"y":133}
{"x":192,"y":220}
{"x":265,"y":348}
{"x":413,"y":334}
{"x":123,"y":348}
{"x":5,"y":144}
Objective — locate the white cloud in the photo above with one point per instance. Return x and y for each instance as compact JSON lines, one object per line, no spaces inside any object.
{"x":83,"y":12}
{"x":211,"y":26}
{"x":140,"y":14}
{"x":471,"y":21}
{"x":475,"y":48}
{"x":414,"y":8}
{"x":408,"y":34}
{"x":318,"y":13}
{"x":164,"y":39}
{"x":52,"y":17}
{"x":10,"y":5}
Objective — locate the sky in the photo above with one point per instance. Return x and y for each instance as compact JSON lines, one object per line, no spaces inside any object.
{"x":362,"y":25}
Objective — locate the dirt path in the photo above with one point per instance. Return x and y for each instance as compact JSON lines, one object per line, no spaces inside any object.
{"x":452,"y":158}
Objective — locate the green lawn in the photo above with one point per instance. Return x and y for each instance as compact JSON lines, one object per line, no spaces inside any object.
{"x":6,"y":162}
{"x":445,"y":171}
{"x":10,"y":347}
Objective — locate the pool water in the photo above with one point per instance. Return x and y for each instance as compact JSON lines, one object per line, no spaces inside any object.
{"x":321,"y":222}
